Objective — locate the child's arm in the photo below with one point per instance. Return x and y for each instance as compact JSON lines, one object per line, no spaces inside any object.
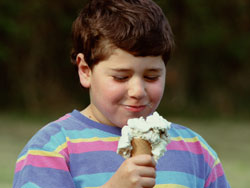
{"x":135,"y":172}
{"x":39,"y":169}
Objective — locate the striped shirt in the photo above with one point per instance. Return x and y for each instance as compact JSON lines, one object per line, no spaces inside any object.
{"x":75,"y":151}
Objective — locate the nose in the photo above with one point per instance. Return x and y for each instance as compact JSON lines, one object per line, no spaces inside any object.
{"x":137,"y":88}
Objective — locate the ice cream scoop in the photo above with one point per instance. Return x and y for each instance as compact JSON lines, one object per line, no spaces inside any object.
{"x":149,"y":136}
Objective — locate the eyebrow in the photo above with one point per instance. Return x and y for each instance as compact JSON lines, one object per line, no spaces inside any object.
{"x":128,"y":70}
{"x":154,"y":70}
{"x":120,"y":70}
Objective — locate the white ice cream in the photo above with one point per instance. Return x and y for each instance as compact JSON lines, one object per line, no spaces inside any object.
{"x":154,"y":129}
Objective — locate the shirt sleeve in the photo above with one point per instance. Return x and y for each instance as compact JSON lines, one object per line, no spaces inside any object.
{"x":42,"y":169}
{"x":217,"y":178}
{"x":43,"y":163}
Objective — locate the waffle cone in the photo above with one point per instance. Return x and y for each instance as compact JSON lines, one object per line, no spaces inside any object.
{"x":140,"y":146}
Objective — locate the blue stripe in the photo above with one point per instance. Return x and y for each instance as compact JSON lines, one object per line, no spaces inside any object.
{"x":92,"y":180}
{"x":30,"y":185}
{"x":177,"y":126}
{"x":185,"y":133}
{"x":55,"y":141}
{"x":172,"y":177}
{"x":169,"y":177}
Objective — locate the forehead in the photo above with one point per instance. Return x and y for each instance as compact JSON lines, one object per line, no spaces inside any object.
{"x":121,"y":59}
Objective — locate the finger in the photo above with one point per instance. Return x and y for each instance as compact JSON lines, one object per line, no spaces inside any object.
{"x":147,"y":182}
{"x":144,"y":160}
{"x":147,"y":172}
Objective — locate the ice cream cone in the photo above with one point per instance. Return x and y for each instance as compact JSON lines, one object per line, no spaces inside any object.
{"x":140,"y":146}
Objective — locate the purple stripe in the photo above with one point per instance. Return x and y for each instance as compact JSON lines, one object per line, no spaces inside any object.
{"x":43,"y":177}
{"x":91,"y":163}
{"x":217,"y":172}
{"x":220,"y":182}
{"x":111,"y":129}
{"x":194,"y":147}
{"x":183,"y":161}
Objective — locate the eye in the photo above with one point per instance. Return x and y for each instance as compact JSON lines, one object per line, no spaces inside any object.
{"x":151,"y":78}
{"x":120,"y":78}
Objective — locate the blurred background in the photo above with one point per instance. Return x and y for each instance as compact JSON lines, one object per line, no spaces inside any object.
{"x":208,"y":77}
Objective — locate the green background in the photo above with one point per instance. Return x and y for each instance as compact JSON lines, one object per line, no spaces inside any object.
{"x":209,"y":73}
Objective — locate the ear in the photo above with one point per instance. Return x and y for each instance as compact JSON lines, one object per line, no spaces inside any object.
{"x":84,"y":71}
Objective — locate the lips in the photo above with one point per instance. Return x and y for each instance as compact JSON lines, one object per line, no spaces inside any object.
{"x":135,"y":108}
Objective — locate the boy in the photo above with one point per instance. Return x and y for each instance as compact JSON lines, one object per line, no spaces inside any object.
{"x":120,"y":48}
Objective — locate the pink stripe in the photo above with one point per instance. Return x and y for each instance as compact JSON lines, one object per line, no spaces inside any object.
{"x":217,"y":171}
{"x":42,"y":162}
{"x":63,"y":118}
{"x":93,"y":146}
{"x":65,"y":152}
{"x":194,"y":147}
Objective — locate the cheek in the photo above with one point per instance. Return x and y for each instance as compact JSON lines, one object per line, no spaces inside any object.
{"x":156,"y":91}
{"x":112,"y":92}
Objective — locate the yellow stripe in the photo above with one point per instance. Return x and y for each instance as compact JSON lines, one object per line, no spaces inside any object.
{"x":107,"y":139}
{"x":161,"y":186}
{"x":170,"y":186}
{"x":179,"y":138}
{"x":205,"y":147}
{"x":40,"y":153}
{"x":216,"y":162}
{"x":62,"y":146}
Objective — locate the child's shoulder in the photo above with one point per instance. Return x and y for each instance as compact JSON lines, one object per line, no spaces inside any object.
{"x":182,"y":130}
{"x":187,"y":135}
{"x":70,"y":121}
{"x":65,"y":122}
{"x":71,"y":125}
{"x":55,"y":133}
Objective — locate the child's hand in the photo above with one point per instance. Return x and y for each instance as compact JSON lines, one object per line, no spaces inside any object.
{"x":135,"y":172}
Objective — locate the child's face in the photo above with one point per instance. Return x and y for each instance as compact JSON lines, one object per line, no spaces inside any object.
{"x":125,"y":86}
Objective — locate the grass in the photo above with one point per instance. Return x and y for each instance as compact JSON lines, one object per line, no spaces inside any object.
{"x":14,"y":134}
{"x":230,"y":138}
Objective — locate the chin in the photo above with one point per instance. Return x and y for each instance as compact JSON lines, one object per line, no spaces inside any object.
{"x":120,"y":123}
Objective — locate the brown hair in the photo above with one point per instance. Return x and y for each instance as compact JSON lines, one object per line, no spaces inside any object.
{"x":136,"y":26}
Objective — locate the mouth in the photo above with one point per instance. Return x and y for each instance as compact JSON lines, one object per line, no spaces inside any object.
{"x":135,"y":108}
